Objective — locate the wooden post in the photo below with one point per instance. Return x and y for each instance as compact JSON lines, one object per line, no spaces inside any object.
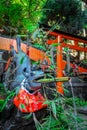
{"x":59,"y":65}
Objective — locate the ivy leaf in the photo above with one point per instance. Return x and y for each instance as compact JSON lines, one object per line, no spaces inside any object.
{"x":28,"y":116}
{"x":22,"y":106}
{"x":47,"y":102}
{"x":22,"y":59}
{"x":54,"y":109}
{"x":66,"y":49}
{"x":55,"y":44}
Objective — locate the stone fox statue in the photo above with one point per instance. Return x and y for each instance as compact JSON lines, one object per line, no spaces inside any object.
{"x":27,"y":99}
{"x":20,"y":69}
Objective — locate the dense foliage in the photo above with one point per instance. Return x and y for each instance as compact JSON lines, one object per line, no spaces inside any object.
{"x":19,"y":16}
{"x":68,"y":15}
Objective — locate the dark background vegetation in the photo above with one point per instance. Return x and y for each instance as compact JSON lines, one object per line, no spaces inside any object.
{"x":22,"y":16}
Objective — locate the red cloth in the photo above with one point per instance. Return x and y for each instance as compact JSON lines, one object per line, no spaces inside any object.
{"x":27,"y":103}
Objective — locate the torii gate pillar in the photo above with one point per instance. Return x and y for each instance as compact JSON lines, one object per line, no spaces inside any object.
{"x":59,"y":65}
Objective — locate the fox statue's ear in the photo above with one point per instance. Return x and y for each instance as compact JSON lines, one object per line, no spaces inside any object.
{"x":18,"y":40}
{"x":12,"y":51}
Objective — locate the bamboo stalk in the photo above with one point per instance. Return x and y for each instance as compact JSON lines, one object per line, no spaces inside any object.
{"x":48,"y":80}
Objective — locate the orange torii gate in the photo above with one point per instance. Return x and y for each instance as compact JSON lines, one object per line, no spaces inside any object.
{"x":59,"y":38}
